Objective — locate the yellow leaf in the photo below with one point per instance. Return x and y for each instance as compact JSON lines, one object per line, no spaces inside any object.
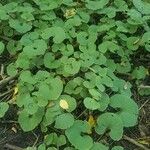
{"x":70,"y":13}
{"x":144,"y":141}
{"x":13,"y":100}
{"x":15,"y":90}
{"x":91,"y":122}
{"x":14,"y":129}
{"x":63,"y":104}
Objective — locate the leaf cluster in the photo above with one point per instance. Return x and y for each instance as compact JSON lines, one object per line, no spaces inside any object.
{"x":69,"y":55}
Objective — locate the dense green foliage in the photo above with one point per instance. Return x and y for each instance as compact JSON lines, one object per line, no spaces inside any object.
{"x":70,"y":55}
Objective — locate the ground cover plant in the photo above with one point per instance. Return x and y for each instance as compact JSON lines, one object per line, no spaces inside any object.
{"x":74,"y":69}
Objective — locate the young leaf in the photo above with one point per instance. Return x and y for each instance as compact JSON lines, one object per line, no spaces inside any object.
{"x":61,"y":140}
{"x":51,"y":139}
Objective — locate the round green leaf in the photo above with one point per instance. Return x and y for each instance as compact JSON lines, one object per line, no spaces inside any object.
{"x":56,"y":87}
{"x":30,"y":122}
{"x":61,"y":140}
{"x":70,"y":102}
{"x":11,"y":70}
{"x":91,"y":104}
{"x":133,"y":43}
{"x":64,"y":121}
{"x":42,"y":147}
{"x":51,"y":139}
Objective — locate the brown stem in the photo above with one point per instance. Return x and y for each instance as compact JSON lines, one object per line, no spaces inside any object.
{"x":13,"y":147}
{"x":135,"y":142}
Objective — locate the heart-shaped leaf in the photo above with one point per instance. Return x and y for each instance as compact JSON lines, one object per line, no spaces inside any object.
{"x":128,"y":109}
{"x":81,"y":142}
{"x":112,"y":122}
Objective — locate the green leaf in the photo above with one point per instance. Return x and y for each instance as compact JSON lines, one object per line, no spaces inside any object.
{"x":2,"y":47}
{"x":133,"y":43}
{"x":38,"y":47}
{"x":42,"y":147}
{"x":121,"y":5}
{"x":70,"y":102}
{"x":128,"y":109}
{"x":53,"y":32}
{"x":80,"y":142}
{"x":11,"y":70}
{"x":135,"y":17}
{"x":13,"y":47}
{"x":3,"y":108}
{"x":99,"y":146}
{"x":56,"y":88}
{"x":26,"y":76}
{"x":82,"y":38}
{"x":27,"y":122}
{"x":143,"y":7}
{"x":64,"y":121}
{"x":139,"y":72}
{"x":95,"y":93}
{"x":108,"y":45}
{"x":71,"y":67}
{"x":31,"y":106}
{"x":91,"y":104}
{"x":50,"y":61}
{"x":21,"y":27}
{"x":47,"y":5}
{"x":51,"y":139}
{"x":61,"y":140}
{"x":44,"y":91}
{"x":27,"y":16}
{"x":103,"y":102}
{"x":95,"y":5}
{"x":51,"y":114}
{"x":68,"y":2}
{"x":112,"y":122}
